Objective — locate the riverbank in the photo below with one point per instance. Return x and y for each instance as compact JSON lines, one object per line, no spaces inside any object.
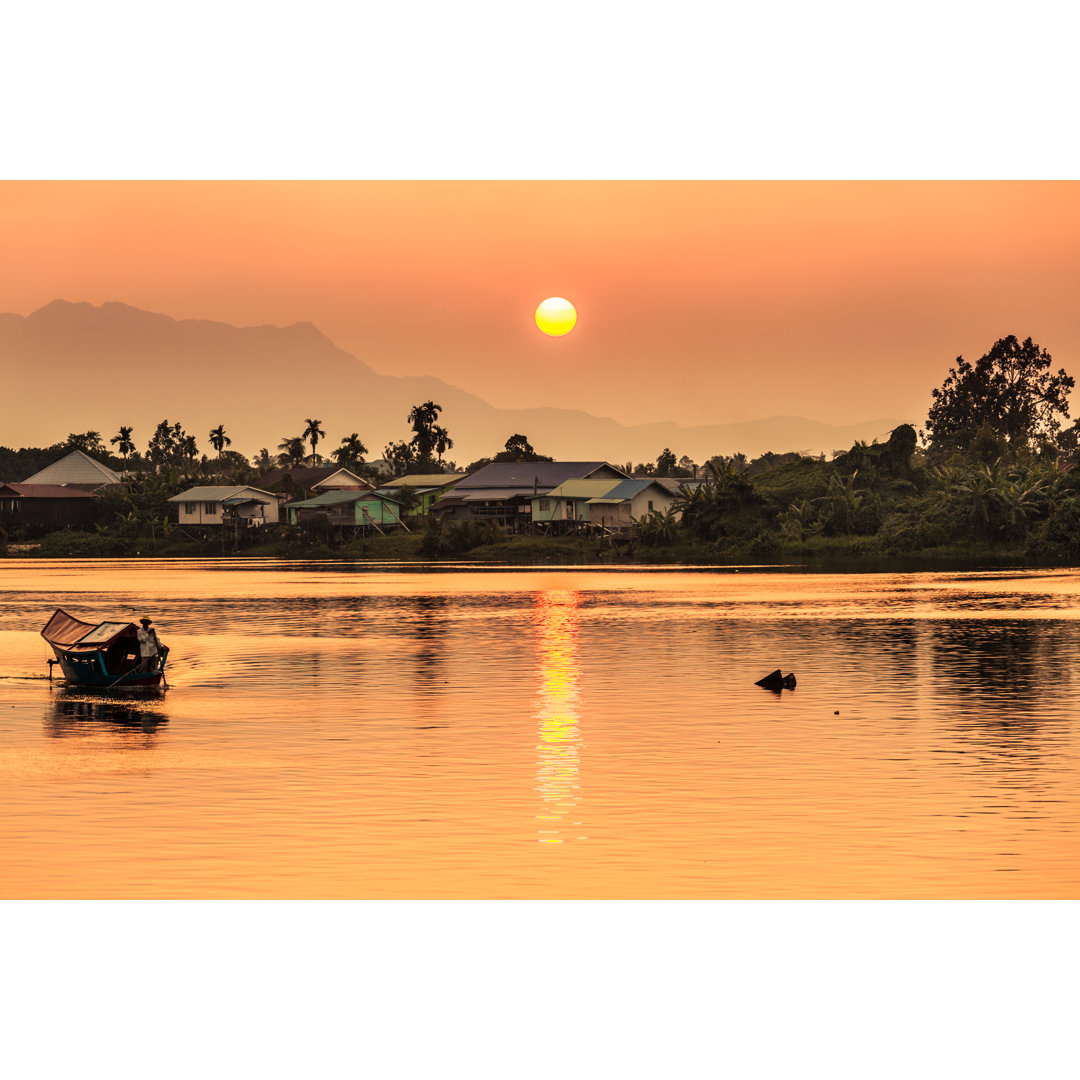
{"x":835,"y":553}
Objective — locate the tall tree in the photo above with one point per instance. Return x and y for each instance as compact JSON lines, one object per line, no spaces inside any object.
{"x":263,"y":461}
{"x":189,"y":449}
{"x":1010,"y":390}
{"x":292,"y":450}
{"x":427,"y":436}
{"x":518,"y":448}
{"x":89,"y":442}
{"x":400,"y":456}
{"x":218,"y":439}
{"x":666,"y":463}
{"x":314,"y":433}
{"x":351,"y":451}
{"x":518,"y":445}
{"x":233,"y":464}
{"x":122,"y":441}
{"x":166,"y":446}
{"x":443,"y":442}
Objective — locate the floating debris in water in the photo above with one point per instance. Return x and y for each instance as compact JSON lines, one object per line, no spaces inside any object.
{"x":775,"y":681}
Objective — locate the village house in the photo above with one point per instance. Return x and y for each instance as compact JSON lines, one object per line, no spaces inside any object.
{"x":502,"y":492}
{"x":614,"y":505}
{"x":44,"y":504}
{"x":356,"y":510}
{"x":569,"y":501}
{"x":629,"y":501}
{"x":226,"y":505}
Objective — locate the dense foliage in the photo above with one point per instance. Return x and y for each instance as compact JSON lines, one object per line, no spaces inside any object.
{"x":1008,"y":394}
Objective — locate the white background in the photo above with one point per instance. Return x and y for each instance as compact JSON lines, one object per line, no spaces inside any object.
{"x":513,"y":989}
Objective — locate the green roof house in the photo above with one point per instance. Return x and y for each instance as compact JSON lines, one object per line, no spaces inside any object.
{"x":628,"y":501}
{"x":569,"y":501}
{"x":427,"y":488}
{"x":351,"y":509}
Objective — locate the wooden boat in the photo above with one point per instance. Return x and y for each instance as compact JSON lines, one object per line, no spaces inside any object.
{"x":103,"y":655}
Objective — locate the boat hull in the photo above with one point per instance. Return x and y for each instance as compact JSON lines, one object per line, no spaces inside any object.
{"x":89,"y":669}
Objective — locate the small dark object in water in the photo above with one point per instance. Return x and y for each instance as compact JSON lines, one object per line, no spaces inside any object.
{"x":775,"y":681}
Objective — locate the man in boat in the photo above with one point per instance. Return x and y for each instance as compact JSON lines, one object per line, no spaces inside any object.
{"x":148,"y":645}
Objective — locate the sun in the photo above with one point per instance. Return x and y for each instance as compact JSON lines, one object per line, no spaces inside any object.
{"x":556,"y":316}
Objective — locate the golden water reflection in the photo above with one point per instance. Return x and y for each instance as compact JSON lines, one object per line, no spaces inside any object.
{"x":558,"y":752}
{"x":76,"y":712}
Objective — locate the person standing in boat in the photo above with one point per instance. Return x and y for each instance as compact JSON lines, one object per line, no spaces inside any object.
{"x":148,"y":645}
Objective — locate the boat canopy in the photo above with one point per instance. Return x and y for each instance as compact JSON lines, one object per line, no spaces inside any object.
{"x":71,"y":633}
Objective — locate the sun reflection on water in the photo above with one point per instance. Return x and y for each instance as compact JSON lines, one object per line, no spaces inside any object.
{"x":558,"y":753}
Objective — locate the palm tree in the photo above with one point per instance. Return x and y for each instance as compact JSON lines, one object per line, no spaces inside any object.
{"x":188,"y":448}
{"x":218,"y":439}
{"x":292,"y":450}
{"x":351,"y":451}
{"x":423,"y":418}
{"x":443,"y":442}
{"x":126,"y":446}
{"x":262,"y":461}
{"x":314,"y":433}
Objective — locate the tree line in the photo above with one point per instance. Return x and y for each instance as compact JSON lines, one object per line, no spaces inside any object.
{"x":993,"y":465}
{"x":993,"y":469}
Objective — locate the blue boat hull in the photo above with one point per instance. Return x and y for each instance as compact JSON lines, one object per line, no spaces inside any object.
{"x":88,"y":669}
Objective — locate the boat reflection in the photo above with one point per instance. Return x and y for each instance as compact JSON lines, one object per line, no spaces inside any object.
{"x":558,"y":765}
{"x":78,"y":712}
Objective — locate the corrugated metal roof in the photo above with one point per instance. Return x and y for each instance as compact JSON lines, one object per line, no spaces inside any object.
{"x":488,"y":494}
{"x":344,"y":476}
{"x":581,"y":489}
{"x":219,"y":494}
{"x":628,"y":489}
{"x":335,"y":498}
{"x":45,"y":491}
{"x":523,"y":475}
{"x":673,"y":483}
{"x":387,"y":491}
{"x":426,"y":480}
{"x":75,"y":468}
{"x":305,"y":477}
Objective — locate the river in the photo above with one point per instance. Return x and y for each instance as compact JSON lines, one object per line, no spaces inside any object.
{"x":386,"y":731}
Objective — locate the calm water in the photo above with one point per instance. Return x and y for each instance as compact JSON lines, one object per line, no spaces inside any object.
{"x":360,"y":732}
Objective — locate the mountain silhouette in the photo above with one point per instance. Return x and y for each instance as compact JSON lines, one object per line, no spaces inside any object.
{"x":72,"y":367}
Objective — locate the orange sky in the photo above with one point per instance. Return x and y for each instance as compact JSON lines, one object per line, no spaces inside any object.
{"x":698,"y":301}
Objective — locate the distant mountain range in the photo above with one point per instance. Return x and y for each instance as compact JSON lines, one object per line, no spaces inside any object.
{"x":71,"y":367}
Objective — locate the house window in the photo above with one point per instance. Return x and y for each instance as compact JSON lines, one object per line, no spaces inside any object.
{"x":650,"y":504}
{"x":190,"y":508}
{"x":545,"y":504}
{"x":209,"y":508}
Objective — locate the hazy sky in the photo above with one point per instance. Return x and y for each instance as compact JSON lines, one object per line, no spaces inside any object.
{"x":698,"y":301}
